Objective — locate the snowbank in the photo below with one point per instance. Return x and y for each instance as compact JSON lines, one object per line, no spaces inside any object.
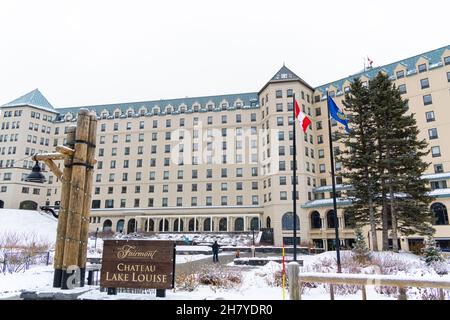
{"x":28,"y":223}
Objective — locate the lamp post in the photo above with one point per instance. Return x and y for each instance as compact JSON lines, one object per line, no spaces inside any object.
{"x":96,"y":233}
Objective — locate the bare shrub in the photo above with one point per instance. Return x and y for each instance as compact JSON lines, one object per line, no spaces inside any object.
{"x":214,"y":276}
{"x":186,"y":282}
{"x":18,"y":251}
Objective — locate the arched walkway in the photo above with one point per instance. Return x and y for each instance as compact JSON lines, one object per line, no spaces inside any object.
{"x":254,"y":224}
{"x":440,"y":214}
{"x":223,"y":225}
{"x":175,"y":225}
{"x":28,"y":205}
{"x":316,"y":221}
{"x":132,"y":226}
{"x":120,"y":225}
{"x":330,"y":220}
{"x":164,"y":225}
{"x":107,"y":225}
{"x":287,"y":221}
{"x":239,"y":224}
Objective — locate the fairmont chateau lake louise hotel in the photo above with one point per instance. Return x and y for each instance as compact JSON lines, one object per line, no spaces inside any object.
{"x":224,"y":163}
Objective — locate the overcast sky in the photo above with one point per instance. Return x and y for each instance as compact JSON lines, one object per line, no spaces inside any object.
{"x":94,"y":52}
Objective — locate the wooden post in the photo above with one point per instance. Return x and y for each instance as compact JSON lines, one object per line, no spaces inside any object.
{"x":62,"y":217}
{"x":331,"y":292}
{"x":441,"y":294}
{"x":84,"y":235}
{"x":402,"y":293}
{"x":364,"y":293}
{"x":76,"y":199}
{"x":293,"y":281}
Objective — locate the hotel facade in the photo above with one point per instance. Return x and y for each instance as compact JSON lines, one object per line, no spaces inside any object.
{"x":224,"y":163}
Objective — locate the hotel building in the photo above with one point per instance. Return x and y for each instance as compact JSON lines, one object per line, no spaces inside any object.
{"x":224,"y":163}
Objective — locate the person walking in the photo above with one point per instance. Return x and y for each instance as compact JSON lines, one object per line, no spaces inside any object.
{"x":215,"y":250}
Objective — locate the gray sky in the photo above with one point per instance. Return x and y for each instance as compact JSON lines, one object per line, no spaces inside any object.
{"x":104,"y":51}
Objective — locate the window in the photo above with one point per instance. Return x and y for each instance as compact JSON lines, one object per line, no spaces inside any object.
{"x":448,"y":76}
{"x":447,"y":60}
{"x":290,"y":93}
{"x":279,"y":94}
{"x":255,"y":200}
{"x":438,"y":168}
{"x":282,"y":180}
{"x":402,"y":88}
{"x":238,"y":118}
{"x":442,"y":184}
{"x":319,"y":139}
{"x":424,"y":83}
{"x":279,"y":121}
{"x":422,"y":68}
{"x":430,"y":116}
{"x":427,"y":100}
{"x":239,"y":172}
{"x":322,"y":168}
{"x":400,"y":74}
{"x":432,"y":133}
{"x":283,"y":195}
{"x":436,"y":151}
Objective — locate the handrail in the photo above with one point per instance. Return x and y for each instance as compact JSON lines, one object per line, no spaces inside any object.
{"x":363,"y":280}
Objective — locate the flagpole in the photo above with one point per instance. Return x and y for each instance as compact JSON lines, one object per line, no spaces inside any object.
{"x":294,"y":181}
{"x":333,"y":182}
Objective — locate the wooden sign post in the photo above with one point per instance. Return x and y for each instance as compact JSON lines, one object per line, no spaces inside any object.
{"x":142,"y":264}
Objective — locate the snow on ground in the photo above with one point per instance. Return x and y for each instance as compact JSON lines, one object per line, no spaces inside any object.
{"x":28,"y":223}
{"x":257,"y":283}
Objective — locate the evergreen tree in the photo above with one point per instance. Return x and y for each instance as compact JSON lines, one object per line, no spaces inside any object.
{"x":360,"y":250}
{"x":400,"y":165}
{"x":359,"y":159}
{"x":431,"y":252}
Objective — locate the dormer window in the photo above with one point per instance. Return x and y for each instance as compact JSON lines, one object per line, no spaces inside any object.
{"x":129,"y":113}
{"x":182,"y":110}
{"x":224,"y":106}
{"x":210,"y":107}
{"x":400,"y":74}
{"x":169,"y":110}
{"x":142,"y":112}
{"x":422,"y":68}
{"x":116,"y":114}
{"x":196,"y":108}
{"x":156,"y":110}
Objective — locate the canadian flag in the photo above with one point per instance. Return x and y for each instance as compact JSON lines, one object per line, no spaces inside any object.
{"x":301,"y":117}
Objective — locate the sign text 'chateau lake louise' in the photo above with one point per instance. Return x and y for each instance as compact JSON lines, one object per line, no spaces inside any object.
{"x":146,"y":264}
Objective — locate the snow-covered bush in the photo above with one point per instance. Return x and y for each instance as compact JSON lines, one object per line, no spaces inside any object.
{"x":360,"y":251}
{"x":18,"y":251}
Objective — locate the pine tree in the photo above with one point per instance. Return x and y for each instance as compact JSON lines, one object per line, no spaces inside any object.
{"x":431,"y":252}
{"x":359,"y":159}
{"x":400,"y":164}
{"x":360,"y":250}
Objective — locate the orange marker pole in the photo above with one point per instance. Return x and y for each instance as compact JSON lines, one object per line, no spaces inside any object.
{"x":283,"y":274}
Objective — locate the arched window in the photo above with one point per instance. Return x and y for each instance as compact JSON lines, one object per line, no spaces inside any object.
{"x":316,"y":221}
{"x":239,"y":224}
{"x":207,"y":225}
{"x":107,"y":225}
{"x":175,"y":225}
{"x":191,"y":224}
{"x":268,"y":223}
{"x":287,"y":222}
{"x":223,"y":225}
{"x":440,"y":214}
{"x":254,"y":224}
{"x":330,"y":219}
{"x":149,"y":225}
{"x":120,"y":225}
{"x":132,"y":226}
{"x":163,"y":225}
{"x":2,"y":204}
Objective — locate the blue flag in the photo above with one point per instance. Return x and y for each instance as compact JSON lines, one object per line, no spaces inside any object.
{"x":337,"y":115}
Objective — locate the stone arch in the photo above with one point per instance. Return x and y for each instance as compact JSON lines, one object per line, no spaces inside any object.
{"x":132,"y":226}
{"x":149,"y":225}
{"x":175,"y":225}
{"x":268,"y":222}
{"x":28,"y":205}
{"x":440,"y":214}
{"x":120,"y":226}
{"x":191,"y":224}
{"x":107,"y":225}
{"x":208,"y":224}
{"x":223,"y":224}
{"x":316,"y":220}
{"x":254,"y":223}
{"x":287,"y":221}
{"x":163,"y":223}
{"x":330,"y":220}
{"x":239,"y":224}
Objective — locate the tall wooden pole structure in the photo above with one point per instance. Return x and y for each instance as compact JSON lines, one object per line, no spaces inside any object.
{"x":62,"y":215}
{"x":90,"y":161}
{"x":76,"y":190}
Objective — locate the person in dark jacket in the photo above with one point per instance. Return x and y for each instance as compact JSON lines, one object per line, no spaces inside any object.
{"x":215,"y":250}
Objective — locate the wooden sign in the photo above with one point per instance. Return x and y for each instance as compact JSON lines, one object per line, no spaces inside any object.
{"x":145,"y":264}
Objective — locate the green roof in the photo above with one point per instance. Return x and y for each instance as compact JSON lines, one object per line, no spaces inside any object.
{"x":32,"y":99}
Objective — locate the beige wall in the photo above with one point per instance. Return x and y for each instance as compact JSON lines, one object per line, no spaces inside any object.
{"x":266,"y":115}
